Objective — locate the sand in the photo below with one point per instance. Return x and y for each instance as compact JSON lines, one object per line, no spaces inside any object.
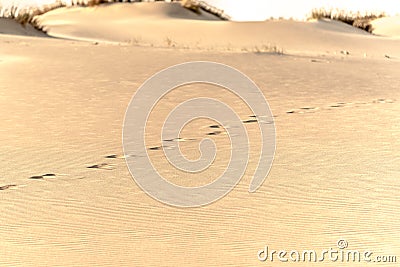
{"x":335,"y":174}
{"x":10,"y":26}
{"x":165,"y":25}
{"x":387,"y":26}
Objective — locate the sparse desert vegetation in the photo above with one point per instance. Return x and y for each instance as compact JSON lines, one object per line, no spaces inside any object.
{"x":357,"y":20}
{"x":191,"y":5}
{"x":27,"y":15}
{"x":268,"y":48}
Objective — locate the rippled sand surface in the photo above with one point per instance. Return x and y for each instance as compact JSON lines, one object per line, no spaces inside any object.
{"x":67,"y":198}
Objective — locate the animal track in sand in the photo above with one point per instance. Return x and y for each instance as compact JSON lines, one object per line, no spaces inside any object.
{"x":214,"y":133}
{"x":303,"y":110}
{"x":319,"y":61}
{"x":259,"y":119}
{"x":179,"y":139}
{"x":37,"y":177}
{"x":382,"y":100}
{"x":340,"y":105}
{"x":8,"y":186}
{"x":120,"y":156}
{"x":155,"y":148}
{"x":160,"y":147}
{"x":262,"y":119}
{"x":103,"y":166}
{"x":114,"y":156}
{"x":250,"y":121}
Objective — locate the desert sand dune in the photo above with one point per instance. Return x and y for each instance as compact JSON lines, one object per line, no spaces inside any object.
{"x":68,"y":199}
{"x":10,"y":26}
{"x":389,"y":26}
{"x":138,"y":24}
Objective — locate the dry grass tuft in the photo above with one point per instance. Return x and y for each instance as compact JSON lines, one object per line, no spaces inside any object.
{"x":357,"y":20}
{"x":197,"y":5}
{"x":192,"y":5}
{"x":268,"y":48}
{"x":169,"y":42}
{"x":26,"y":17}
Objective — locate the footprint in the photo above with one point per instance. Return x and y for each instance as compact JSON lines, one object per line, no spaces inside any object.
{"x":337,"y":105}
{"x":214,"y":133}
{"x":155,"y":148}
{"x":382,"y":100}
{"x":37,"y":177}
{"x":118,"y":156}
{"x":115,"y":156}
{"x":160,"y":147}
{"x":306,"y":109}
{"x":250,"y":121}
{"x":179,"y":139}
{"x":309,"y":109}
{"x":4,"y":187}
{"x":103,"y":166}
{"x":319,"y":61}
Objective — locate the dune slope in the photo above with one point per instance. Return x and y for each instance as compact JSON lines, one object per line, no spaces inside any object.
{"x":388,"y":26}
{"x":10,"y":26}
{"x":166,"y":25}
